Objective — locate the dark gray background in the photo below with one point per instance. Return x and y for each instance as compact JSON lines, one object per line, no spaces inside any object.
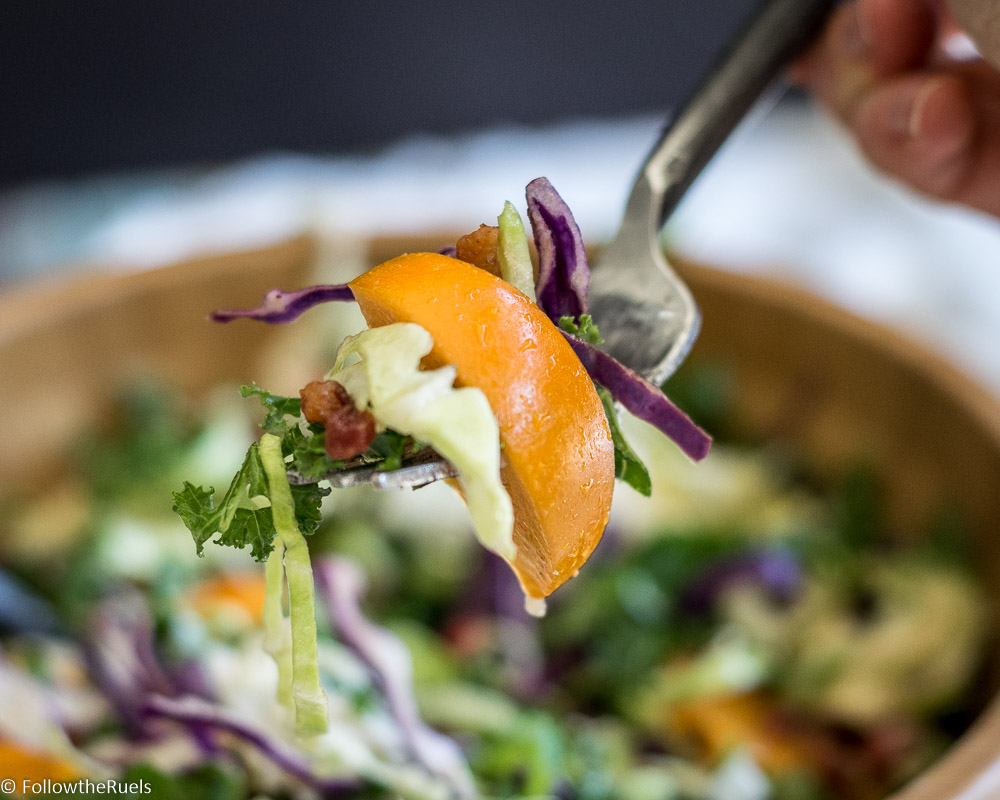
{"x":120,"y":84}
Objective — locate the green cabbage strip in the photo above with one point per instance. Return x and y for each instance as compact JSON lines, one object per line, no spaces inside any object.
{"x":513,"y":253}
{"x":457,"y":422}
{"x":277,"y":630}
{"x":311,"y":715}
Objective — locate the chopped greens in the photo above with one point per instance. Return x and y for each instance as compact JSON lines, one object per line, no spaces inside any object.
{"x":303,"y":442}
{"x":628,"y":465}
{"x":391,"y":446}
{"x":243,"y":516}
{"x":262,"y":510}
{"x":660,"y":641}
{"x":208,"y":782}
{"x":277,"y":406}
{"x":583,"y":328}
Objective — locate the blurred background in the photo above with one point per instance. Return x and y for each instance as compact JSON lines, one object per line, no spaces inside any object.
{"x":138,"y":134}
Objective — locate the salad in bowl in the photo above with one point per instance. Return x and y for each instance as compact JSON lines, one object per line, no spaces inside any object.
{"x":725,"y":630}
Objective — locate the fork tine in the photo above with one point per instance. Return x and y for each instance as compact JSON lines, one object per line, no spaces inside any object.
{"x":419,"y":468}
{"x":644,"y":310}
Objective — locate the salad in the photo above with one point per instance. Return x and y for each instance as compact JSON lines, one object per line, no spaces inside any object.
{"x":739,"y":633}
{"x":463,"y":361}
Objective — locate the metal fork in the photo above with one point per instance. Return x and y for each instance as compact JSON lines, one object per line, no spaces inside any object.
{"x":645,"y":312}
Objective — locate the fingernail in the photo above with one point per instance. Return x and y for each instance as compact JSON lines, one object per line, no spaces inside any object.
{"x":904,"y":111}
{"x":855,"y":38}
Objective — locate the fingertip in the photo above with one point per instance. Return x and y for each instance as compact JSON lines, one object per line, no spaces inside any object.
{"x":919,"y":128}
{"x":942,"y":119}
{"x":900,"y":33}
{"x":838,"y":70}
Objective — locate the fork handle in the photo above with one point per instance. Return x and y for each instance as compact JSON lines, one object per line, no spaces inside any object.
{"x":777,"y":32}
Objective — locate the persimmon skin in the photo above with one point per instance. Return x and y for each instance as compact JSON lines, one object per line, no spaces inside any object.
{"x":24,"y":764}
{"x":559,"y":458}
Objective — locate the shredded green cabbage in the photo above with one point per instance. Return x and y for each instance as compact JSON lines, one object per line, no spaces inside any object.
{"x":457,"y":422}
{"x":513,"y":253}
{"x":277,"y":628}
{"x":311,"y":715}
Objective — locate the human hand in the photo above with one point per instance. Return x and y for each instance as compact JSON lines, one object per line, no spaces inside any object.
{"x":927,"y":118}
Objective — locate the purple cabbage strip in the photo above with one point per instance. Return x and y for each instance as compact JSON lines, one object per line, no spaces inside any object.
{"x":200,"y":715}
{"x":120,"y":652}
{"x":449,"y":250}
{"x":388,"y":664}
{"x":563,"y":275}
{"x":279,"y":307}
{"x":120,"y":655}
{"x":642,"y":399}
{"x":777,"y":571}
{"x":494,"y":593}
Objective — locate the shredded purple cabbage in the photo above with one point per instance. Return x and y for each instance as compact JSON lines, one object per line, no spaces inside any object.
{"x":121,"y":656}
{"x":200,"y":716}
{"x":279,"y":306}
{"x":563,"y":275}
{"x":389,"y":666}
{"x":777,"y":571}
{"x":121,"y":659}
{"x":449,"y":250}
{"x":493,"y":593}
{"x":642,"y":399}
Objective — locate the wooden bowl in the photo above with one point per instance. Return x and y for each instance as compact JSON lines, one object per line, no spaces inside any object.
{"x":835,"y":386}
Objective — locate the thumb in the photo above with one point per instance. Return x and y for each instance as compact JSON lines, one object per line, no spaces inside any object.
{"x":936,"y":132}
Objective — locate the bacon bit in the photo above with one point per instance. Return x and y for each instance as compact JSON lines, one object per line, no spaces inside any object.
{"x":480,"y":248}
{"x":320,"y":399}
{"x":349,"y":430}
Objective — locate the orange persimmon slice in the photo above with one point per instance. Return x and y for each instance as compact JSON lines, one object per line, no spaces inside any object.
{"x":243,"y":592}
{"x":559,"y":459}
{"x":23,"y":764}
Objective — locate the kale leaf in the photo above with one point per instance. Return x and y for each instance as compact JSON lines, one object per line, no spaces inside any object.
{"x":583,"y":329}
{"x":628,"y":465}
{"x":243,"y":515}
{"x":278,"y":408}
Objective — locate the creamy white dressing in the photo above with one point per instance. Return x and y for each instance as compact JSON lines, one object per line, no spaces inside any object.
{"x":535,"y":606}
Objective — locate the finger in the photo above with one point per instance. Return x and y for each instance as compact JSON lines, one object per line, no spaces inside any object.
{"x":899,"y":33}
{"x":838,"y":70}
{"x":864,"y":42}
{"x":939,"y":132}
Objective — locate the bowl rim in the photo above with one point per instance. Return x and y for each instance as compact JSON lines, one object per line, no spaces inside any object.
{"x":969,"y":769}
